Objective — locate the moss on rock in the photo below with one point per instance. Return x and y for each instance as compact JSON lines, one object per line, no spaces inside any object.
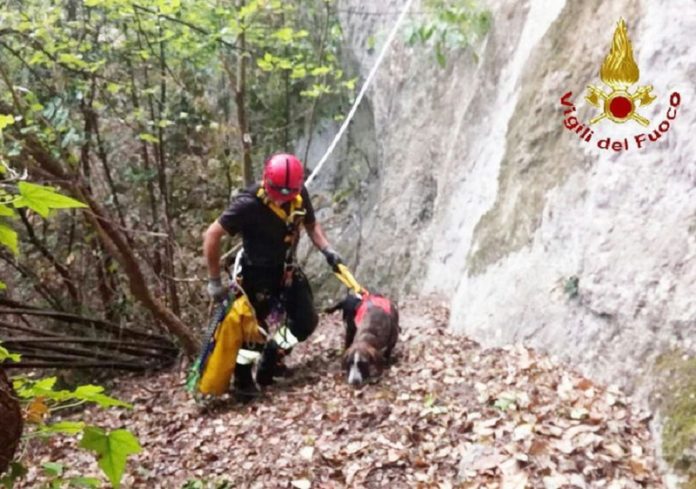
{"x":676,"y":402}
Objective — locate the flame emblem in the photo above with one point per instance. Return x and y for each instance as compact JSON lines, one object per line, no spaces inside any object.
{"x":619,"y":71}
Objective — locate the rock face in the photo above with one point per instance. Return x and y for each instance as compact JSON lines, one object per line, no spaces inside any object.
{"x":11,"y":426}
{"x":463,"y":181}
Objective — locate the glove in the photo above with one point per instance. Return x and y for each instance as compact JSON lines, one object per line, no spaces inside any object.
{"x":216,"y":290}
{"x":332,"y":258}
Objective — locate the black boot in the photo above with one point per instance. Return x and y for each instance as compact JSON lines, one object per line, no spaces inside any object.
{"x":271,"y":364}
{"x":244,"y":387}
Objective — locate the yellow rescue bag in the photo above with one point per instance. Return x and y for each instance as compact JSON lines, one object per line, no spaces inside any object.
{"x":239,"y":327}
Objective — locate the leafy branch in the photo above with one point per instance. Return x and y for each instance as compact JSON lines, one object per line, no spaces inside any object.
{"x":451,"y":25}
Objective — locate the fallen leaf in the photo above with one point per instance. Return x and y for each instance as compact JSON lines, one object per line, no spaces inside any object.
{"x":307,"y":453}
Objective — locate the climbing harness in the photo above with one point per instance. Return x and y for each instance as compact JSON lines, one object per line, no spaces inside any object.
{"x":235,"y":334}
{"x":373,"y":300}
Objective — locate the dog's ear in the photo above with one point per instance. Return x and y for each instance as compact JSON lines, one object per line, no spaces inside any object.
{"x":347,"y":358}
{"x":374,"y":361}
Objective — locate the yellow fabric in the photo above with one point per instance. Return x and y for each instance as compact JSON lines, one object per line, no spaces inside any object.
{"x":238,"y":327}
{"x":348,"y":280}
{"x":295,"y":204}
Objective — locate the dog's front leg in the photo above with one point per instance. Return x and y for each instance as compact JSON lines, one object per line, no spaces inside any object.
{"x":351,"y":329}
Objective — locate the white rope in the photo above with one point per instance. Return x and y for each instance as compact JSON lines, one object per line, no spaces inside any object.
{"x":361,"y":94}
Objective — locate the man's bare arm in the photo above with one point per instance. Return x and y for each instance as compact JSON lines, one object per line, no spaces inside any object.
{"x":316,"y":234}
{"x":211,"y":248}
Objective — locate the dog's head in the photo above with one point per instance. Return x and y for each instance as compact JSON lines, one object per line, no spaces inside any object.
{"x":360,"y":362}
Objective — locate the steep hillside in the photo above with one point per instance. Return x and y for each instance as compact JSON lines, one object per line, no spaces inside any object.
{"x":447,"y":414}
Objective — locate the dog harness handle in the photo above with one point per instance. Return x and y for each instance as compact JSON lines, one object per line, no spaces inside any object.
{"x":371,"y":300}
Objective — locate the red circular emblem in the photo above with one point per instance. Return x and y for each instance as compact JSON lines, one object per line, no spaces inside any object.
{"x":620,"y":107}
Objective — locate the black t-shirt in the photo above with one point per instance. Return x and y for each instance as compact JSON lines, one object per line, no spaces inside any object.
{"x":263,"y":232}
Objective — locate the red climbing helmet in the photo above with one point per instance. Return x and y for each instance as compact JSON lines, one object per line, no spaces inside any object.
{"x":283,"y":175}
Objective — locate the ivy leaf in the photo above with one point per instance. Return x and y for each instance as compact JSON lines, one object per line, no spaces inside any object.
{"x":350,"y":84}
{"x":148,"y":138}
{"x":266,"y":63}
{"x":113,"y":88}
{"x":72,"y":61}
{"x":6,"y":355}
{"x":94,"y":393}
{"x":8,"y":237}
{"x":16,"y":472}
{"x":440,"y":55}
{"x":64,"y":427}
{"x":53,"y":469}
{"x":6,"y":211}
{"x":42,"y":199}
{"x":284,"y":35}
{"x":89,"y":482}
{"x":320,"y":70}
{"x":298,"y":72}
{"x":6,"y":120}
{"x":248,"y":10}
{"x":371,"y":42}
{"x":28,"y":389}
{"x":113,"y":450}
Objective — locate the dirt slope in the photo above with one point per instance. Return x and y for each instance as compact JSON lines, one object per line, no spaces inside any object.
{"x":447,"y":414}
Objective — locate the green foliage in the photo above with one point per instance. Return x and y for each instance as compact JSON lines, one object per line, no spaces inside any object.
{"x":572,"y":287}
{"x":56,"y":480}
{"x":40,"y":398}
{"x":45,"y":388}
{"x":675,"y":399}
{"x":113,"y":449}
{"x":454,"y":25}
{"x":38,"y":198}
{"x":6,"y":120}
{"x":42,"y":199}
{"x":5,"y":355}
{"x":297,"y":64}
{"x":8,"y":237}
{"x":15,"y":472}
{"x":156,"y":79}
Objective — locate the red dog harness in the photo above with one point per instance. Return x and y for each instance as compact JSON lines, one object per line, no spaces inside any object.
{"x":371,"y":300}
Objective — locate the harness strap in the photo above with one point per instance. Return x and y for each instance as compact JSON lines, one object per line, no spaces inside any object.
{"x":296,"y":209}
{"x":292,"y":222}
{"x":371,"y":301}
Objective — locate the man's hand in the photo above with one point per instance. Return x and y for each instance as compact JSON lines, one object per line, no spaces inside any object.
{"x":216,"y":290}
{"x":332,"y":258}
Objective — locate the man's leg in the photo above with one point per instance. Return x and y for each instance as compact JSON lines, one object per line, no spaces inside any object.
{"x":244,"y":387}
{"x":302,"y":321}
{"x":258,"y":284}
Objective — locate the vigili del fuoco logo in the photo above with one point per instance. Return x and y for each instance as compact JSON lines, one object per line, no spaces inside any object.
{"x":620,"y":104}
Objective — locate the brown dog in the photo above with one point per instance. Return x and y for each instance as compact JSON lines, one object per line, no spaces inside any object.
{"x":372,"y":328}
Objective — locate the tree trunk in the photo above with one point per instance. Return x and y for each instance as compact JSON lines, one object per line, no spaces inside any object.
{"x":162,"y":177}
{"x":239,"y":98}
{"x":11,"y":426}
{"x":44,"y":164}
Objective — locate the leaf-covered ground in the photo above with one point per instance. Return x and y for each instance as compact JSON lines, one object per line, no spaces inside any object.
{"x":447,"y":414}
